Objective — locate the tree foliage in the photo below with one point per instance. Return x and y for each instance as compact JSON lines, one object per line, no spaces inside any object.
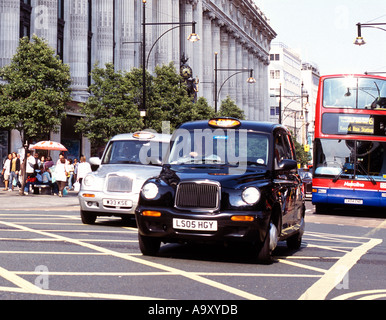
{"x":302,"y":156}
{"x":116,"y":98}
{"x":35,"y":90}
{"x":110,"y":109}
{"x":230,"y":109}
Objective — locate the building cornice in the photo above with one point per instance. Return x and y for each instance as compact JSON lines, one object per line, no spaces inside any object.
{"x":252,"y":18}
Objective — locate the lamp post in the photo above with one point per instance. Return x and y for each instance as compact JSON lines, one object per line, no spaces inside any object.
{"x":250,"y":80}
{"x":359,"y":41}
{"x":193,"y":37}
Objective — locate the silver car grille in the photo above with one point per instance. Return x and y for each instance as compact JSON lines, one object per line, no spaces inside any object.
{"x":118,"y":183}
{"x":203,"y":195}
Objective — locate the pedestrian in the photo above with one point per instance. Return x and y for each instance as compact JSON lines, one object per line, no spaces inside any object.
{"x":70,"y":174}
{"x":49,"y":163}
{"x":83,"y":169}
{"x":7,"y":171}
{"x":47,"y":180}
{"x":30,"y":170}
{"x":61,"y":174}
{"x":14,"y":175}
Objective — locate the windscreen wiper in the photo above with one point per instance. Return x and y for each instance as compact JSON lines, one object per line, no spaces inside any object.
{"x":367,"y":174}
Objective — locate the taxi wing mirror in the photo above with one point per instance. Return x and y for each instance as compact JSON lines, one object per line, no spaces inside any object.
{"x":95,"y":161}
{"x":287,"y":165}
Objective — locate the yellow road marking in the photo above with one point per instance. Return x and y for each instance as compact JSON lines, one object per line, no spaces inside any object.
{"x":186,"y":274}
{"x":320,"y":289}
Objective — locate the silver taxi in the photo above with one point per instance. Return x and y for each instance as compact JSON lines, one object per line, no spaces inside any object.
{"x":127,"y":162}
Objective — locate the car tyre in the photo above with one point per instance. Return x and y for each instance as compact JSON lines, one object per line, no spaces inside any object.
{"x":264,"y":255}
{"x":148,"y":246}
{"x":88,"y":217}
{"x":294,"y":242}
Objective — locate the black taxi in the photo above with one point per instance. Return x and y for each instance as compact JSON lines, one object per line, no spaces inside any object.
{"x":225,"y":180}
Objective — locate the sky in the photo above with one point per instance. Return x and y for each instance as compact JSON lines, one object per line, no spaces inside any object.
{"x":323,"y":32}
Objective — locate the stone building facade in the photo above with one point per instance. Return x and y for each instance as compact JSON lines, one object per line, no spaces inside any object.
{"x":85,"y":32}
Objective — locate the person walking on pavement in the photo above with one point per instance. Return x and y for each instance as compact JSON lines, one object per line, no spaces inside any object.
{"x":7,"y":171}
{"x":15,"y":169}
{"x":83,"y":169}
{"x":61,"y":171}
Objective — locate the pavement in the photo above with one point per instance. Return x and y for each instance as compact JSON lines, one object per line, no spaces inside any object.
{"x":13,"y":200}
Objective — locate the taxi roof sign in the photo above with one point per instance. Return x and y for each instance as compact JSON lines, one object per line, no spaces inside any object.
{"x":224,"y":122}
{"x":143,"y":135}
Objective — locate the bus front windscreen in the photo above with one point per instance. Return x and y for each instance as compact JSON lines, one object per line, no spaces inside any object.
{"x":354,"y":93}
{"x":350,"y":159}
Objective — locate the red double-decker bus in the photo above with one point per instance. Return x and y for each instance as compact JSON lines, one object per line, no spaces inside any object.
{"x":350,"y":142}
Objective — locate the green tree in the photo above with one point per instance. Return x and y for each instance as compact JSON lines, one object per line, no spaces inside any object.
{"x":34,"y":92}
{"x":230,"y":109}
{"x":167,"y":98}
{"x":110,"y":109}
{"x":302,"y":157}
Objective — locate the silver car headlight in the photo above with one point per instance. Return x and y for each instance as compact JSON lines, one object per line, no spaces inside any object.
{"x":89,"y":180}
{"x":150,"y":190}
{"x":251,"y":195}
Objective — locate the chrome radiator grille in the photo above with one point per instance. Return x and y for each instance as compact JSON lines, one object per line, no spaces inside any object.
{"x":194,"y":195}
{"x":117,"y":183}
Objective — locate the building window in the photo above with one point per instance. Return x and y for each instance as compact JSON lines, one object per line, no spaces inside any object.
{"x":274,"y":111}
{"x":25,"y":18}
{"x":274,"y":57}
{"x":274,"y":74}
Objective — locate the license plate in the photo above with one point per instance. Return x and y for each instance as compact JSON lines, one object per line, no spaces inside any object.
{"x":197,"y":225}
{"x":353,"y":201}
{"x":117,"y":203}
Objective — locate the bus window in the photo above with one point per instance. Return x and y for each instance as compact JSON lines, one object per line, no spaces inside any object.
{"x":354,"y":93}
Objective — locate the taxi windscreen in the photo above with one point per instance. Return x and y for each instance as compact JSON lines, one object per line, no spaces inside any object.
{"x":133,"y":151}
{"x":219,"y":146}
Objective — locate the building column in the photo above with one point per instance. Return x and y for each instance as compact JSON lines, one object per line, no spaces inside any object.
{"x":245,"y":84}
{"x":232,"y":65}
{"x":240,"y":77}
{"x":162,"y":52}
{"x":206,"y":83}
{"x":223,"y":64}
{"x":251,"y":91}
{"x":76,"y":30}
{"x":127,"y":50}
{"x":103,"y":26}
{"x":9,"y":30}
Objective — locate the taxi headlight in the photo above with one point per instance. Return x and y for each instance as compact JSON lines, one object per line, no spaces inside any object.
{"x":251,"y":195}
{"x":89,"y":180}
{"x":150,"y":190}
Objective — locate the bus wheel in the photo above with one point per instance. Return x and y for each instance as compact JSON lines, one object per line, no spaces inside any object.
{"x":322,"y":208}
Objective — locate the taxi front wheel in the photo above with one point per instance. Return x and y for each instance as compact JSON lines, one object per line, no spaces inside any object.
{"x":148,"y":246}
{"x":265,"y":249}
{"x":88,"y":217}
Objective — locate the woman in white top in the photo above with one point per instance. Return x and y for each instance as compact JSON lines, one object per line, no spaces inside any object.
{"x":7,"y":171}
{"x":61,"y":171}
{"x":83,"y":169}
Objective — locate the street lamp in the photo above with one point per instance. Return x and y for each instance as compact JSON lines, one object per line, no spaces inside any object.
{"x":250,"y":80}
{"x":193,"y":37}
{"x":359,"y":41}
